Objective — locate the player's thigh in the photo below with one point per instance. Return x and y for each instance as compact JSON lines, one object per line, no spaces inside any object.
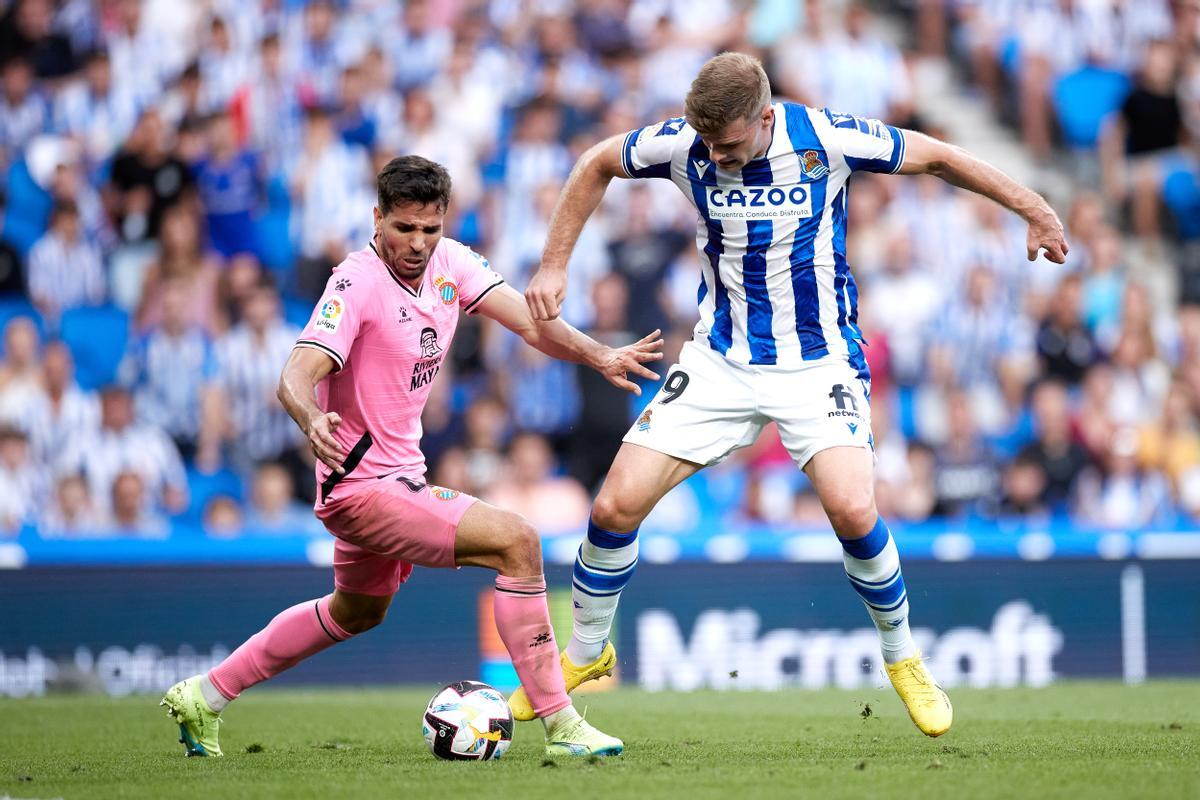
{"x":844,"y":480}
{"x":824,"y":418}
{"x":400,"y":519}
{"x":638,"y":479}
{"x":497,"y":539}
{"x":705,"y":410}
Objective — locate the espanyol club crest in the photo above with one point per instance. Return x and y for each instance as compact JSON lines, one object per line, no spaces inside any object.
{"x":447,"y":290}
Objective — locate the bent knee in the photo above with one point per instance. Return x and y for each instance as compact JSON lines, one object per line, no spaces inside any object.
{"x":522,"y":552}
{"x":852,"y":514}
{"x":362,"y":620}
{"x":612,"y":511}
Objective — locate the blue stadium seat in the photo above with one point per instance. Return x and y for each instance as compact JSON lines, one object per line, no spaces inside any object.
{"x":296,"y":311}
{"x":97,"y":336}
{"x":1181,"y":194}
{"x":274,"y":246}
{"x":203,"y":487}
{"x":1084,"y":99}
{"x":28,"y":208}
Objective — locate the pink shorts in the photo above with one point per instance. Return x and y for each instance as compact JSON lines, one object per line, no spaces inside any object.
{"x":388,"y":526}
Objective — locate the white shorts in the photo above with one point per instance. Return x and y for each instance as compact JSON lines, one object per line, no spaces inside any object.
{"x":709,"y":406}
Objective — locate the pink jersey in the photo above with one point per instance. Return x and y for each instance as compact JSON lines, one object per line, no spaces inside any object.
{"x":388,"y":342}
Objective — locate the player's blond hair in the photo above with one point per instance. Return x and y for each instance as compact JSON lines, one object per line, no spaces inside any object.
{"x":729,"y":88}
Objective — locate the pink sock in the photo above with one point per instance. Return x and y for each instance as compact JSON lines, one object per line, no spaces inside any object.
{"x":294,"y":635}
{"x":523,"y":620}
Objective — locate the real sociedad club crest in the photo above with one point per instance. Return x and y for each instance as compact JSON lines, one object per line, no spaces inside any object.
{"x":811,"y":165}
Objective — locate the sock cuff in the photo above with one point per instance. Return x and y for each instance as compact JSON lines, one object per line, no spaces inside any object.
{"x":868,"y":546}
{"x":530,"y":586}
{"x":216,"y":682}
{"x":609,"y":540}
{"x":331,"y":628}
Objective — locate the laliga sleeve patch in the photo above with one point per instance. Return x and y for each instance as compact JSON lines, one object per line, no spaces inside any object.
{"x":329,"y":317}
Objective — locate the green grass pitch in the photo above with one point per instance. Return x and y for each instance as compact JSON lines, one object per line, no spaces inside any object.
{"x":1078,"y":740}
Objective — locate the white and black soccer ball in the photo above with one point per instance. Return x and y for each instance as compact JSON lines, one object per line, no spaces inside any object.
{"x":468,"y":721}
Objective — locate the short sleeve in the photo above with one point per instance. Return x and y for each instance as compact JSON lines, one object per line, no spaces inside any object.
{"x":646,"y":152}
{"x":868,"y":145}
{"x":338,"y":316}
{"x":475,"y":277}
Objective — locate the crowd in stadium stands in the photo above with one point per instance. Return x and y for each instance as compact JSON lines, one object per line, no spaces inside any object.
{"x":179,"y":178}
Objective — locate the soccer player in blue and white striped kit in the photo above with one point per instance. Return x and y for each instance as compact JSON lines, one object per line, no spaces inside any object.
{"x":777,"y":339}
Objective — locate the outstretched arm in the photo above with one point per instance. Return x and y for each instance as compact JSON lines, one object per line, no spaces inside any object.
{"x":559,"y":340}
{"x":579,"y":198}
{"x":924,"y":154}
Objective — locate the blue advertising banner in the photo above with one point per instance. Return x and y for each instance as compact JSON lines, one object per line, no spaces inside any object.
{"x":748,"y":625}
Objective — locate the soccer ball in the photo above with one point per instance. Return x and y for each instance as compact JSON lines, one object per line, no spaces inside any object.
{"x":468,"y":721}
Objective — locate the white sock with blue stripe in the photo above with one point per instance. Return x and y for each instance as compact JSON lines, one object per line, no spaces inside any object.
{"x":604,"y":564}
{"x":873,"y":567}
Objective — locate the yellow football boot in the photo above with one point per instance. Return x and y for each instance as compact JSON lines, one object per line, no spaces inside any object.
{"x":927,"y":704}
{"x":572,"y":676}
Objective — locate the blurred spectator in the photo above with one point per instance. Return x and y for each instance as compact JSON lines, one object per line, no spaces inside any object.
{"x":12,"y":271}
{"x":28,"y":31}
{"x":441,"y":423}
{"x":1104,"y":287}
{"x":642,"y":254}
{"x":528,"y":486}
{"x":249,"y":360}
{"x":20,"y":379}
{"x":65,"y":411}
{"x":94,"y":110}
{"x":23,"y":113}
{"x":1122,"y":494}
{"x":916,"y":500}
{"x":1055,"y":451}
{"x":22,"y":482}
{"x":181,"y":261}
{"x":274,"y":508}
{"x":222,"y":65}
{"x":222,"y":517}
{"x":129,"y":514}
{"x":487,"y":429}
{"x":330,"y":184}
{"x":171,"y":371}
{"x":1171,"y":445}
{"x":120,"y":444}
{"x":906,"y":301}
{"x":604,"y":413}
{"x":229,"y":184}
{"x":1023,"y":490}
{"x":64,"y":267}
{"x":271,"y":101}
{"x":71,"y":513}
{"x":966,"y":469}
{"x":1148,"y":127}
{"x":1063,"y":341}
{"x":147,"y":179}
{"x":422,"y":47}
{"x":863,"y":74}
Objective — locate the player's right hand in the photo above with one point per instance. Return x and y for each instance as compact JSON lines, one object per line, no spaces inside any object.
{"x":545,"y":293}
{"x":324,"y":446}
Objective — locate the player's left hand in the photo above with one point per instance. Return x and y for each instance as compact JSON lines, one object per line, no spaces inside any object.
{"x":1046,"y":233}
{"x":616,"y":364}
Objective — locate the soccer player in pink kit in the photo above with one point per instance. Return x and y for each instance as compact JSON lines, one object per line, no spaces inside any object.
{"x":356,"y":383}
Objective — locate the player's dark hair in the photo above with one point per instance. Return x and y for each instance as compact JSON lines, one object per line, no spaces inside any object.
{"x":412,"y":179}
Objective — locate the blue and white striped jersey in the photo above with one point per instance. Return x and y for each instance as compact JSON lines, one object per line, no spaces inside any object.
{"x":775,"y":286}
